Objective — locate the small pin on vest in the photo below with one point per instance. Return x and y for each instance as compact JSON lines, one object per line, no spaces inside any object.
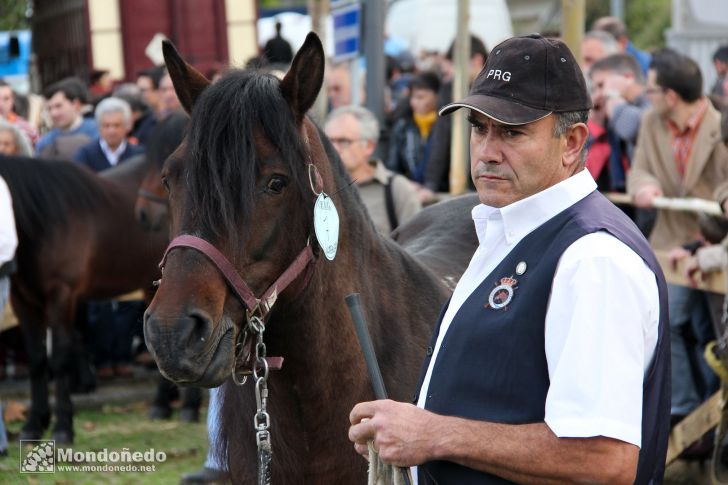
{"x":521,"y":268}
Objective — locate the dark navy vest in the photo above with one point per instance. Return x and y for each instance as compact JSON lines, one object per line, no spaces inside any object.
{"x":492,"y":363}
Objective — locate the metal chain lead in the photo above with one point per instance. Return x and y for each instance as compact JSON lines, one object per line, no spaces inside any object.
{"x":261,"y":421}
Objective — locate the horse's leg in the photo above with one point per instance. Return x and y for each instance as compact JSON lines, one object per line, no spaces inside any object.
{"x":34,"y":334}
{"x":162,"y":408}
{"x":61,"y":359}
{"x":192,"y":399}
{"x":61,"y":315}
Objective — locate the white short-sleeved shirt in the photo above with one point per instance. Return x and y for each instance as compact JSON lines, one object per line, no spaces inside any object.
{"x":601,"y":321}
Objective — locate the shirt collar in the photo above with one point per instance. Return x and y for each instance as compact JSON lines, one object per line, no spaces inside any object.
{"x":523,"y":216}
{"x":112,"y":153}
{"x":693,"y":122}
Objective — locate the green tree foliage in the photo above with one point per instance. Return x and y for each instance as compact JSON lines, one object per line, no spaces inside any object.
{"x":646,"y":20}
{"x":12,"y":15}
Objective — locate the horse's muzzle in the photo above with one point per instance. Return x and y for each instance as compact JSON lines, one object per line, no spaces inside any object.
{"x":190,"y":349}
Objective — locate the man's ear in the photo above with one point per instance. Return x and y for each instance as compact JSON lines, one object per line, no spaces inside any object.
{"x":573,"y":141}
{"x":371,"y":146}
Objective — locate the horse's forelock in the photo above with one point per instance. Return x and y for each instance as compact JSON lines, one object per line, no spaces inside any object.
{"x":228,"y":123}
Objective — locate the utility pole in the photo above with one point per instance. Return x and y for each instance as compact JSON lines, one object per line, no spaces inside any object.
{"x":319,"y":10}
{"x":616,"y":9}
{"x":459,"y":150}
{"x":573,"y":13}
{"x":374,"y":55}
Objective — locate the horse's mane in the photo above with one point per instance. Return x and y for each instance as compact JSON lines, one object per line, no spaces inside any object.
{"x":225,"y":122}
{"x":46,"y":192}
{"x":166,"y":137}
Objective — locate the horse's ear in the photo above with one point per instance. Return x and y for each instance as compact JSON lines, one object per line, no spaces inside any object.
{"x":302,"y":83}
{"x":188,"y":81}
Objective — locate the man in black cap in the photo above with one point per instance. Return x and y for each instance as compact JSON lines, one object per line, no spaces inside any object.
{"x":550,"y":363}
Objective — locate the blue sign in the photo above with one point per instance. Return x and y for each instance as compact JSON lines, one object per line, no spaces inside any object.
{"x":347,"y":27}
{"x":15,"y":59}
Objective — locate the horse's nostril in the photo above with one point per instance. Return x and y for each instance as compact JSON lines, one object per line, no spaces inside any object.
{"x":201,"y":326}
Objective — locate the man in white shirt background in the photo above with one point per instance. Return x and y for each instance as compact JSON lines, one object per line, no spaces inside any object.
{"x":550,"y":363}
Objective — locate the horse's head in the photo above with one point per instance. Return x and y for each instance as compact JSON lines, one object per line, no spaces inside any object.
{"x":239,"y":184}
{"x":151,"y":206}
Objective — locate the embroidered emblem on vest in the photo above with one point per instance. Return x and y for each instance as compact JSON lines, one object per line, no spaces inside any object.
{"x":502,"y":294}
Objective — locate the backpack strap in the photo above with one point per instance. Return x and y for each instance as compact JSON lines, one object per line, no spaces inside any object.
{"x":389,"y":203}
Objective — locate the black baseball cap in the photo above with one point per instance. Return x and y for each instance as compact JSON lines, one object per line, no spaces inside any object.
{"x":525,"y":79}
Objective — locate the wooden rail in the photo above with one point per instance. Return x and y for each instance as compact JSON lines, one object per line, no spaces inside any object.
{"x":9,"y":320}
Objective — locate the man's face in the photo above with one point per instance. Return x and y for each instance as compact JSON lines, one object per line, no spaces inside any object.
{"x":591,"y":51}
{"x":167,"y":94}
{"x":63,"y":111}
{"x":656,"y":94}
{"x":150,"y":96}
{"x":423,"y":101}
{"x":510,"y":163}
{"x":343,"y":132}
{"x":6,"y":100}
{"x":7,"y":143}
{"x":338,"y":87}
{"x":113,"y":128}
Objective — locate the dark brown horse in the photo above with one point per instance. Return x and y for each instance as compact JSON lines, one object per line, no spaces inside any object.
{"x":78,"y":240}
{"x":245,"y":182}
{"x":151,"y":205}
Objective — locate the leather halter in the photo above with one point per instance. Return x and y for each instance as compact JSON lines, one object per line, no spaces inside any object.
{"x":152,"y":197}
{"x":260,"y":305}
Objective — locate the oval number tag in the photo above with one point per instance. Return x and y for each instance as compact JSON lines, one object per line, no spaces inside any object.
{"x":326,"y":225}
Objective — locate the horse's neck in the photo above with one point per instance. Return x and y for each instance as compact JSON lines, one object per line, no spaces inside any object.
{"x":127,"y":175}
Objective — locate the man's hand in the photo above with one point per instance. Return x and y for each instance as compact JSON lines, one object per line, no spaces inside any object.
{"x":691,"y":270}
{"x":676,"y":255}
{"x":644,"y":196}
{"x":401,"y":432}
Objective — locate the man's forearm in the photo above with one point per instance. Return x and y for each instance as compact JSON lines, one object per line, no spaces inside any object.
{"x":531,"y":453}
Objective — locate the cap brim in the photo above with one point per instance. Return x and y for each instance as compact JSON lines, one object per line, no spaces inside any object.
{"x":501,"y":110}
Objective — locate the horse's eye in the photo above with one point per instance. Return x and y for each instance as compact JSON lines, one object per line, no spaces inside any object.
{"x":276,"y":184}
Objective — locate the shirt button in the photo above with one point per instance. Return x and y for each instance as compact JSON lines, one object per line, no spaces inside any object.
{"x":429,"y":351}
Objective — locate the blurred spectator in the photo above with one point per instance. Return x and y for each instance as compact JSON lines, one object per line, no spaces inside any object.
{"x":70,"y":130}
{"x":8,"y":244}
{"x":143,"y":117}
{"x":13,"y":141}
{"x":169,"y":103}
{"x":596,"y":45}
{"x":7,"y":112}
{"x":618,"y":29}
{"x":100,"y":85}
{"x":278,"y":50}
{"x":338,"y":85}
{"x":437,"y":175}
{"x":409,"y":144}
{"x":720,"y":61}
{"x":389,"y":198}
{"x":680,"y":154}
{"x":113,"y":117}
{"x":400,"y":71}
{"x":618,"y":90}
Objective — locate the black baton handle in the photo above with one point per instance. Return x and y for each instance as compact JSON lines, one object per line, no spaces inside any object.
{"x":365,"y":342}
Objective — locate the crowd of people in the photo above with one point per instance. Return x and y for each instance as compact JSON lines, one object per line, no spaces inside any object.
{"x":652,"y":132}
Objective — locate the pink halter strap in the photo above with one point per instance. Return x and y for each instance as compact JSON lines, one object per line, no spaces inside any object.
{"x":241,"y":289}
